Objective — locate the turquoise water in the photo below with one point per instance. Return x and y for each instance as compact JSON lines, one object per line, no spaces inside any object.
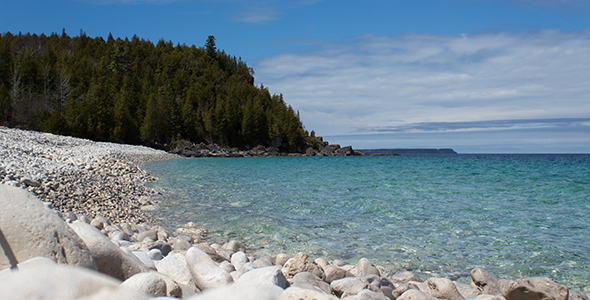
{"x":514,"y":215}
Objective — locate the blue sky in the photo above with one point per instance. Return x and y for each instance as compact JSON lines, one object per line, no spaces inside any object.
{"x":473,"y":75}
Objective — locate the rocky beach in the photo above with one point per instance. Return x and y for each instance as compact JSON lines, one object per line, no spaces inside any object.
{"x":75,"y":223}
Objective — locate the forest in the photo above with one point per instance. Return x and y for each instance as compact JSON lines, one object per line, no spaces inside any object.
{"x":137,"y":92}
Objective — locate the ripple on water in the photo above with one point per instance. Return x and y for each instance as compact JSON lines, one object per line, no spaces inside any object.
{"x":514,"y":215}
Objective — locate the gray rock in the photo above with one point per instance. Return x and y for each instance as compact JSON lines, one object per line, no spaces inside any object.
{"x":247,"y":267}
{"x":575,"y":295}
{"x":364,"y":268}
{"x":413,"y":294}
{"x":238,"y":259}
{"x":185,"y":237}
{"x":32,"y":230}
{"x":180,"y":244}
{"x":398,"y":291}
{"x":489,"y":297}
{"x":206,"y":273}
{"x":127,"y":229}
{"x":188,"y":291}
{"x":484,"y":282}
{"x":532,"y":288}
{"x":234,"y":246}
{"x":155,"y":254}
{"x":162,"y":235}
{"x":174,"y":265}
{"x":111,"y":229}
{"x":241,"y":292}
{"x":297,"y":293}
{"x":338,"y":263}
{"x":302,"y":263}
{"x":225,"y":253}
{"x":322,"y":262}
{"x":83,"y":218}
{"x":31,"y":182}
{"x":72,"y":216}
{"x":333,"y":273}
{"x":109,"y":258}
{"x":405,"y":277}
{"x":466,"y":290}
{"x":173,"y":289}
{"x":210,"y":251}
{"x":227,"y":266}
{"x":97,"y":224}
{"x":281,"y":259}
{"x":353,"y":285}
{"x":164,"y":247}
{"x":443,"y":288}
{"x":264,"y":261}
{"x":264,"y":276}
{"x":235,"y":275}
{"x":105,"y":221}
{"x":145,"y":259}
{"x":309,"y":281}
{"x":387,"y":291}
{"x":367,"y":295}
{"x":119,"y":235}
{"x":147,"y":283}
{"x":147,"y":234}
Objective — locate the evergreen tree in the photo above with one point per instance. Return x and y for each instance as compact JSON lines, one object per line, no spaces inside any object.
{"x":210,"y":47}
{"x":136,"y":92}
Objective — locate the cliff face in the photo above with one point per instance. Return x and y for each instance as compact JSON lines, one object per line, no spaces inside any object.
{"x":409,"y":151}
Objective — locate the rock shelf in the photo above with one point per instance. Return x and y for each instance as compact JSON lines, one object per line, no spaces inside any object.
{"x":96,"y":244}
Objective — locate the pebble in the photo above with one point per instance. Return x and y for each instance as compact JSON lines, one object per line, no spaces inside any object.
{"x":79,"y":175}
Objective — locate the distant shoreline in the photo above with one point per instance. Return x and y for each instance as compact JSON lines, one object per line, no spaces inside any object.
{"x":409,"y":151}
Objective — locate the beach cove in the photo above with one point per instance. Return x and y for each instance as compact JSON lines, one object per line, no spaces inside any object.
{"x":100,"y":194}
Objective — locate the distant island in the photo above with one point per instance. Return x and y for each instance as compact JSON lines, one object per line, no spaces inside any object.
{"x":408,"y":151}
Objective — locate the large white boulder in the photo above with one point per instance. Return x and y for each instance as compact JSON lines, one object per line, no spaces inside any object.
{"x":29,"y":229}
{"x":206,"y":273}
{"x":297,"y":293}
{"x":174,"y":265}
{"x":147,"y":283}
{"x":109,"y":258}
{"x":264,"y":276}
{"x":37,"y":279}
{"x":241,"y":292}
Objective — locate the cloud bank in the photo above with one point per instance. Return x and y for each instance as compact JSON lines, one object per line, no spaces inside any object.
{"x":399,"y":82}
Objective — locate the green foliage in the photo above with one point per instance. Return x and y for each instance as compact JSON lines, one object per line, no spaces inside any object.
{"x":133,"y":91}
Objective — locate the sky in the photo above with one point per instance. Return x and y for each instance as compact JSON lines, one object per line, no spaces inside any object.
{"x":478,"y":76}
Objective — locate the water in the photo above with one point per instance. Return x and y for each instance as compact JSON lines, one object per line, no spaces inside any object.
{"x":514,"y":215}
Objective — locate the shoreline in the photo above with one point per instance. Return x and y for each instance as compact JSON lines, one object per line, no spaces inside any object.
{"x":104,"y":183}
{"x":80,"y":175}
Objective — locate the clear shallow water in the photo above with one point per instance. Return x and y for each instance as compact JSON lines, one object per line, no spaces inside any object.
{"x":514,"y":215}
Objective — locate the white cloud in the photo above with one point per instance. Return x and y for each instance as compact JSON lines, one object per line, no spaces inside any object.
{"x":378,"y":81}
{"x":374,"y":81}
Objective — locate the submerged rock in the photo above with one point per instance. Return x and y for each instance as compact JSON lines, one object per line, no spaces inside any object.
{"x":532,"y":288}
{"x":302,"y":263}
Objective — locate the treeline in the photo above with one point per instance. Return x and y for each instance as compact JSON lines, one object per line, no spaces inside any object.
{"x":133,"y":91}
